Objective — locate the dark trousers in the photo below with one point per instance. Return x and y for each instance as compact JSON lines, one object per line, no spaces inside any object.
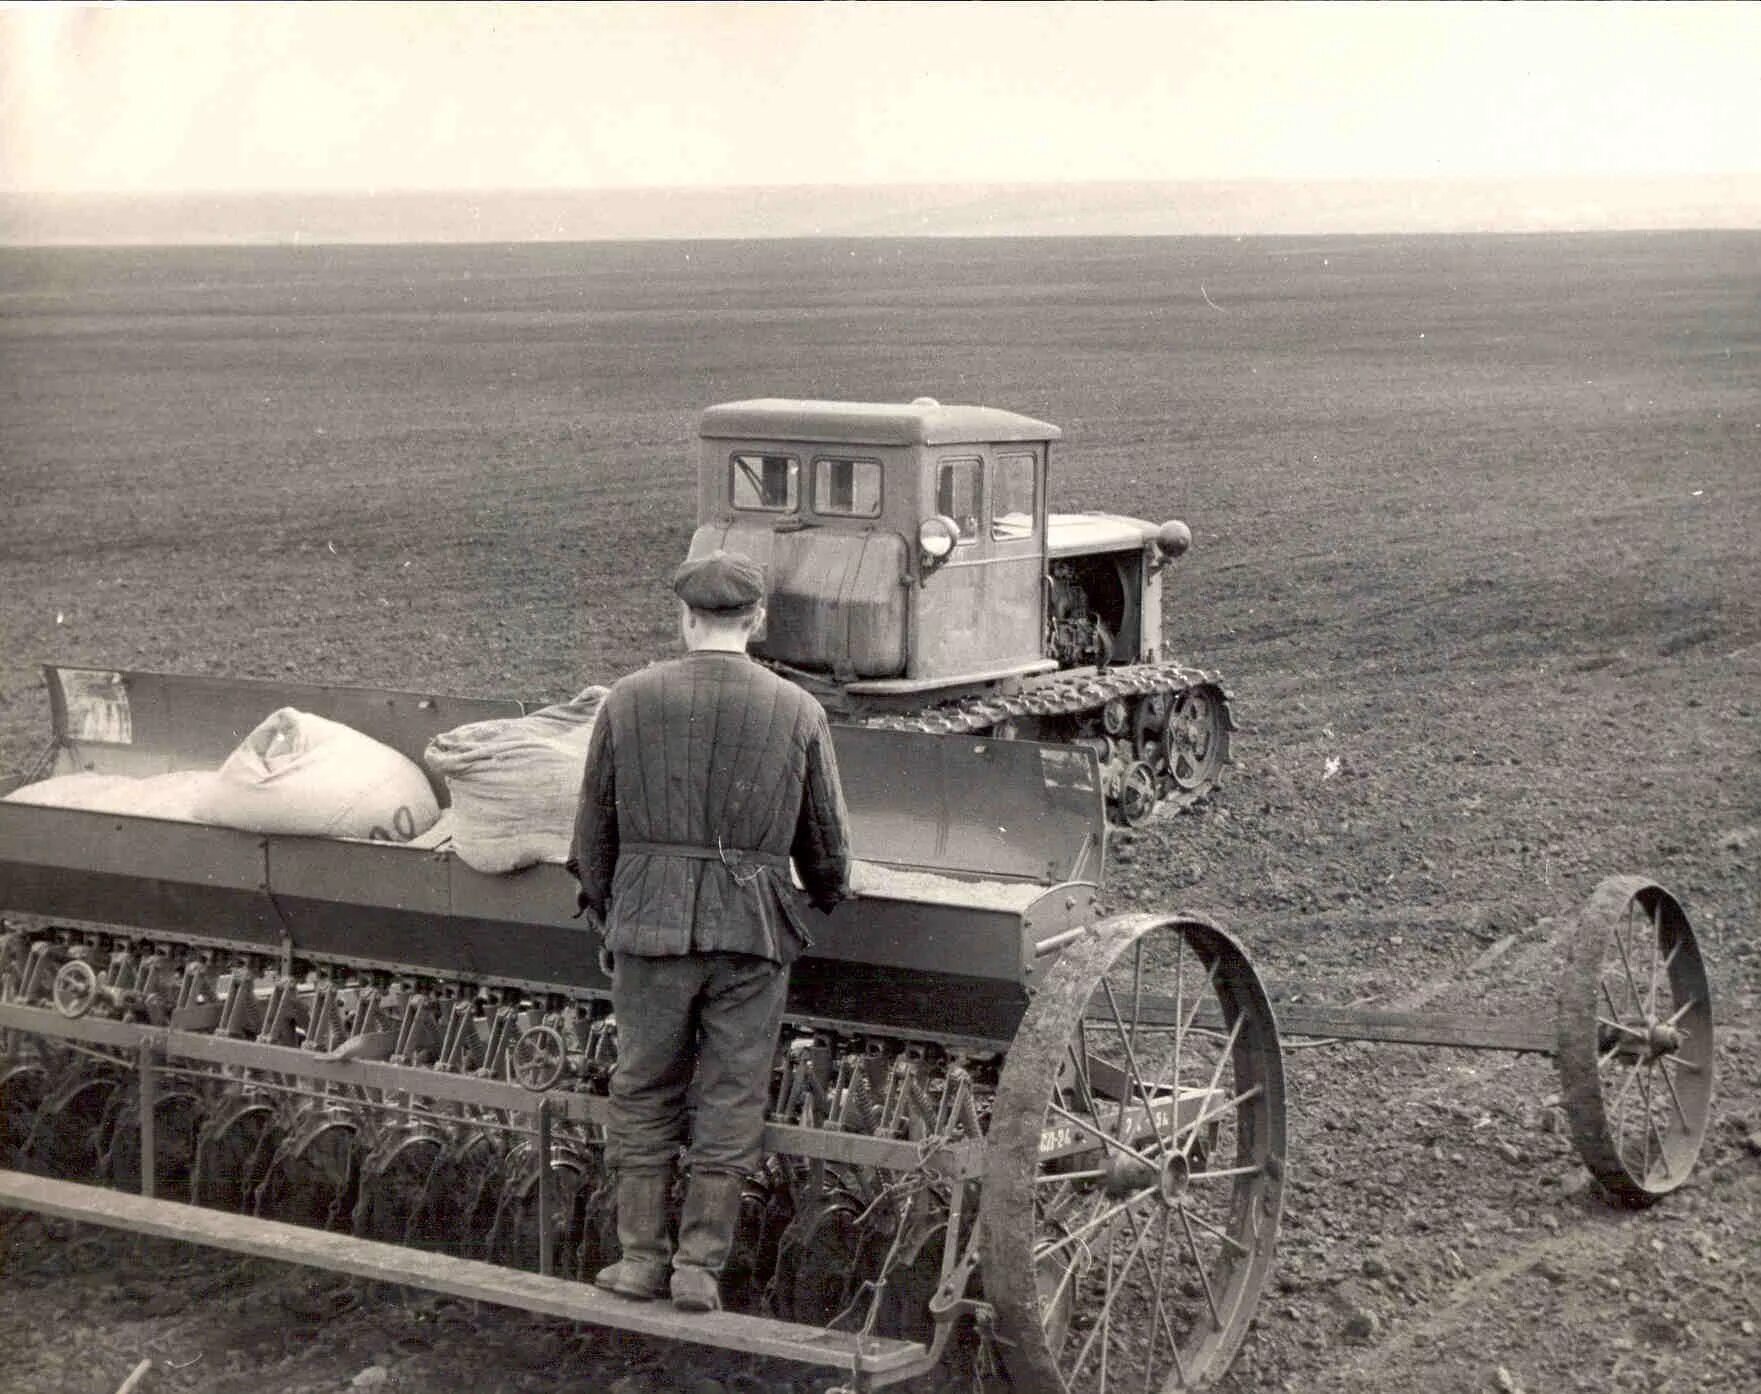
{"x":697,"y":1031}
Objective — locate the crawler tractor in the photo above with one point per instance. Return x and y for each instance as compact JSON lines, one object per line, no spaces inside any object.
{"x":918,"y":582}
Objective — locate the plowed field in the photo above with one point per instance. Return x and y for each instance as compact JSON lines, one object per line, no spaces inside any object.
{"x":1476,"y":534}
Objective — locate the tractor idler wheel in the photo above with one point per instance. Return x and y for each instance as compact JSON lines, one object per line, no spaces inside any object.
{"x":1137,"y":795}
{"x":1635,"y":1048}
{"x":1134,"y":1163}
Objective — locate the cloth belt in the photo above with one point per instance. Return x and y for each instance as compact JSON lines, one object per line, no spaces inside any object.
{"x":730,"y":856}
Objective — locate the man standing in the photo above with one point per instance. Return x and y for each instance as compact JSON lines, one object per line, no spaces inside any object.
{"x":705,"y":775}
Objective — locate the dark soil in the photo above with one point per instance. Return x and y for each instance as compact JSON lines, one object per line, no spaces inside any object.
{"x":1475,"y":526}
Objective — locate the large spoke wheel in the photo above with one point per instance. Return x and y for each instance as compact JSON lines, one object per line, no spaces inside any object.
{"x":1635,"y":1040}
{"x":1135,"y":1162}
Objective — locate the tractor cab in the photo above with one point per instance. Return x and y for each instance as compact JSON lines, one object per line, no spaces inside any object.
{"x":909,"y":551}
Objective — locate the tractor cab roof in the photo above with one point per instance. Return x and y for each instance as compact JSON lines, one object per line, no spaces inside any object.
{"x":923,"y":422}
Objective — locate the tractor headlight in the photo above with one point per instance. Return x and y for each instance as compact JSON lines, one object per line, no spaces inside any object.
{"x":1173,"y":539}
{"x":936,"y":538}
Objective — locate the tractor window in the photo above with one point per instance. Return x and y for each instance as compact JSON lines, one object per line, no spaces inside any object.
{"x":960,"y":494}
{"x":766,"y":483}
{"x":1013,"y":505}
{"x":847,"y":488}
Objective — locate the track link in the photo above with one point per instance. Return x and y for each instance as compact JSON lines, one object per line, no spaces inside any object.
{"x":1077,"y":700}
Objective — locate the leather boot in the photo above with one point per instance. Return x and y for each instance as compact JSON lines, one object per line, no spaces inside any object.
{"x":642,"y":1235}
{"x":706,"y":1234}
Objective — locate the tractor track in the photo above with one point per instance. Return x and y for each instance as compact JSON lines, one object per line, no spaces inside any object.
{"x":1083,"y":695}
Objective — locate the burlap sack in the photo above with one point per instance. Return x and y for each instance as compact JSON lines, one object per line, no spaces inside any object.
{"x":300,"y":773}
{"x":513,"y":783}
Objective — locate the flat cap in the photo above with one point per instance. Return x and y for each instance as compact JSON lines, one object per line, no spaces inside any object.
{"x":720,"y":581}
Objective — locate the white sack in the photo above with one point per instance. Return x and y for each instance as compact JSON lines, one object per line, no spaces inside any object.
{"x":514,"y":783}
{"x":299,"y":773}
{"x":172,"y":796}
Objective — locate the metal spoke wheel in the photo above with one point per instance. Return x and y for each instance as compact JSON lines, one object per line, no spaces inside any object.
{"x":1197,"y":740}
{"x":1635,"y":1040}
{"x":1135,"y":1162}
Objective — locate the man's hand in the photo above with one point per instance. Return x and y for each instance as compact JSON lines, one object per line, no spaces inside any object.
{"x":605,"y":958}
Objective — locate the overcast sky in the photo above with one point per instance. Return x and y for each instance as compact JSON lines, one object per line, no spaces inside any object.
{"x":354,"y":97}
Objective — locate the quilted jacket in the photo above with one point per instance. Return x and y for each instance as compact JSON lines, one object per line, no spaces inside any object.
{"x":705,"y":776}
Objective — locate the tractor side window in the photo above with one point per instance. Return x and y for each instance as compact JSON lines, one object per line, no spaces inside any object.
{"x":960,"y":494}
{"x":1013,"y":505}
{"x":847,"y":488}
{"x":766,"y":483}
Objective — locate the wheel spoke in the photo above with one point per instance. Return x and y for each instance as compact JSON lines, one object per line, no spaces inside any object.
{"x":1645,"y":1095}
{"x":1656,"y":937}
{"x":1198,"y":1263}
{"x":1223,"y":1058}
{"x":1079,"y":1069}
{"x":1082,"y":1232}
{"x":1130,"y":1064}
{"x":1103,"y":1327}
{"x":1224,"y":1173}
{"x":1675,"y":1099}
{"x":1180,"y":1022}
{"x":1620,"y":1103}
{"x":1252,"y":1092}
{"x":1229,"y":1240}
{"x":1626,"y":965}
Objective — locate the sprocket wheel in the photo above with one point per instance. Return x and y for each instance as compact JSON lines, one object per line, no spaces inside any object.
{"x":1196,"y":742}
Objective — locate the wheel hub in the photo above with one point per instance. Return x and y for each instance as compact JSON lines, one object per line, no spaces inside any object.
{"x":1176,"y":1177}
{"x":1662,"y":1038}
